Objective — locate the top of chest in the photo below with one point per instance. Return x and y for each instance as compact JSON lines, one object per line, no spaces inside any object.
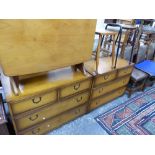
{"x":60,"y":78}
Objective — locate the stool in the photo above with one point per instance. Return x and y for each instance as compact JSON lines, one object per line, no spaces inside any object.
{"x":102,"y":35}
{"x":137,"y":81}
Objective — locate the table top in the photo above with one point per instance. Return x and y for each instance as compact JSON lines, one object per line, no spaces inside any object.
{"x":105,"y":64}
{"x":29,"y":46}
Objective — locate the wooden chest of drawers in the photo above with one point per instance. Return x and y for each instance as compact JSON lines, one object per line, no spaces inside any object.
{"x":109,"y":83}
{"x":47,"y":98}
{"x":47,"y":101}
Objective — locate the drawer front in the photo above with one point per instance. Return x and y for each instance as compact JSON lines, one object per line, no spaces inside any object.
{"x":105,"y":78}
{"x":106,"y":98}
{"x":51,"y":111}
{"x":35,"y":102}
{"x":57,"y":121}
{"x":110,"y":87}
{"x":74,"y":88}
{"x":125,"y":71}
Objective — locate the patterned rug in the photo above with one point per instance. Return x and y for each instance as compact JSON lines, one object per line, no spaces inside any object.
{"x":134,"y":117}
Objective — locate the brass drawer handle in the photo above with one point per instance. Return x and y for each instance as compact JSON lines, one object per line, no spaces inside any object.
{"x":79,"y":99}
{"x":34,"y":117}
{"x":106,"y":77}
{"x":77,"y":86}
{"x":36,"y":100}
{"x":36,"y":132}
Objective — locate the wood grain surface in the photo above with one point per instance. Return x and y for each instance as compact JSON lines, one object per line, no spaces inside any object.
{"x":34,"y":46}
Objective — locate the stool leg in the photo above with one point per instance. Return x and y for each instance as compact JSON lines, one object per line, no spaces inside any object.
{"x":143,"y":87}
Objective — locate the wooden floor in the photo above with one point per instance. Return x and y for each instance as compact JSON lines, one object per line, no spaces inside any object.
{"x":104,"y":65}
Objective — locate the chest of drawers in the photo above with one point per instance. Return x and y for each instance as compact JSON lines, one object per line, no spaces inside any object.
{"x":108,"y":83}
{"x":47,"y":98}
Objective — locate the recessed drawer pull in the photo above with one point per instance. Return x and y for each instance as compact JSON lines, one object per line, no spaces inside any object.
{"x":106,"y":77}
{"x":36,"y":100}
{"x":35,"y":132}
{"x":33,"y":118}
{"x":77,"y":86}
{"x":124,"y":81}
{"x":120,"y":91}
{"x":100,"y":90}
{"x":79,"y":99}
{"x":77,"y":111}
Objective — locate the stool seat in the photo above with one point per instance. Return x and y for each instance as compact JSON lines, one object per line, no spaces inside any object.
{"x":147,"y":66}
{"x":138,"y":75}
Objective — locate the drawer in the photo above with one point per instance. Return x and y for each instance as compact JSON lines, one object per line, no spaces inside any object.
{"x":106,"y":98}
{"x":50,"y":111}
{"x":110,"y":86}
{"x":125,"y":71}
{"x":57,"y":121}
{"x":34,"y":102}
{"x":105,"y":78}
{"x":74,"y":88}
